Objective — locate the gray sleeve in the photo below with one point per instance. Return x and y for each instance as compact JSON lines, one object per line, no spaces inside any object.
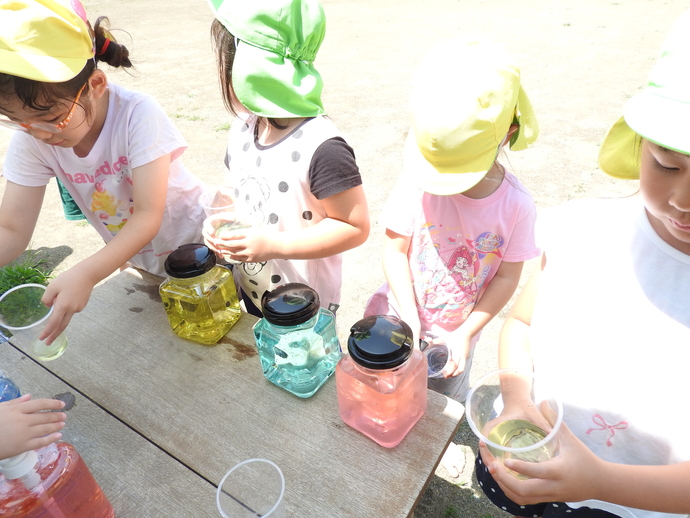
{"x":333,"y":169}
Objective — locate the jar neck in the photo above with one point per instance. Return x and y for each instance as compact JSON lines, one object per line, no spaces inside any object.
{"x":304,"y":325}
{"x":206,"y":276}
{"x":378,"y":372}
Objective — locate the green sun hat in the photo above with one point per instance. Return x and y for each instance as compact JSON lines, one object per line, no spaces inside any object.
{"x":659,"y":113}
{"x":273,"y":74}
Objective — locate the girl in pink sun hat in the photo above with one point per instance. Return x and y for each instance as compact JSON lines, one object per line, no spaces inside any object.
{"x":114,"y":150}
{"x":605,"y":322}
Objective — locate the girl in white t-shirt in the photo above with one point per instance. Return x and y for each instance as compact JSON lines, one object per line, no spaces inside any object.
{"x":114,"y":150}
{"x":295,"y":177}
{"x":605,"y":323}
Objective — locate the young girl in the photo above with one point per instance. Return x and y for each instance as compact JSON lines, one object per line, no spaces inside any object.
{"x":458,"y":224}
{"x":606,"y":322}
{"x":295,"y":177}
{"x":114,"y":150}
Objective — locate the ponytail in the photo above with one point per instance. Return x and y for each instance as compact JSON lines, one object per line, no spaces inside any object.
{"x":107,"y":49}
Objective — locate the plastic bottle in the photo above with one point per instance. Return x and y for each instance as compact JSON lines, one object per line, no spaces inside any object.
{"x":382,"y":382}
{"x":8,"y":389}
{"x":297,"y":340}
{"x":200,"y":297}
{"x":51,"y":482}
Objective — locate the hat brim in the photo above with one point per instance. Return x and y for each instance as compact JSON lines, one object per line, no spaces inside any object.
{"x":40,"y":67}
{"x":442,"y":181}
{"x":269,"y":85}
{"x":528,"y":130}
{"x":619,"y":155}
{"x":660,"y":119}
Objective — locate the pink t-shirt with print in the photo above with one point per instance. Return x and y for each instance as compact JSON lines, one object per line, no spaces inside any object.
{"x":457,"y":244}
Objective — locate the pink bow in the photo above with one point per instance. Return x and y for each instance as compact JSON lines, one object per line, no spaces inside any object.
{"x":598,"y":420}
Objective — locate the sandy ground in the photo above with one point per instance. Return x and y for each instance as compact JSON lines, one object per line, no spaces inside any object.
{"x":580,"y":62}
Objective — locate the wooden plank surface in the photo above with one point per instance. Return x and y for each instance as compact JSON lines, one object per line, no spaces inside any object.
{"x":139,"y":479}
{"x":211,"y":407}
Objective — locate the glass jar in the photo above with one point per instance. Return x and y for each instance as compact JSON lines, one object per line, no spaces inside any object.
{"x":297,"y":341}
{"x":381,"y":381}
{"x":199,"y":296}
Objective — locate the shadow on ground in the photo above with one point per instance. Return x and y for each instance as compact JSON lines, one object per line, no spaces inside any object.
{"x":462,"y":497}
{"x":49,"y":258}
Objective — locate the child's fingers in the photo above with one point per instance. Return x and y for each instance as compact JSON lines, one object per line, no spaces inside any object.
{"x":41,"y":418}
{"x":45,"y":440}
{"x":36,"y":405}
{"x":15,"y":401}
{"x":46,"y":429}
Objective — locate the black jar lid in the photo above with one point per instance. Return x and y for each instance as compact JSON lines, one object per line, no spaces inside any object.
{"x":290,"y":304}
{"x":189,"y":261}
{"x":380,"y":342}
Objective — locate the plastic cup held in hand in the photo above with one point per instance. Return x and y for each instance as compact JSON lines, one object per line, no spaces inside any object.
{"x":217,"y":199}
{"x":223,"y":225}
{"x":252,"y":488}
{"x":515,"y":416}
{"x":437,"y":355}
{"x":25,"y":316}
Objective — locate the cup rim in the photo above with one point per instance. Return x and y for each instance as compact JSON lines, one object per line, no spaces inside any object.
{"x":436,"y":374}
{"x":239,"y":465}
{"x":45,"y":317}
{"x":209,"y":193}
{"x":545,"y":440}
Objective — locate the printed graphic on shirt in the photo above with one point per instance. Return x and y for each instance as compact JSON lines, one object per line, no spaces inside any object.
{"x":450,"y":270}
{"x":109,"y":190}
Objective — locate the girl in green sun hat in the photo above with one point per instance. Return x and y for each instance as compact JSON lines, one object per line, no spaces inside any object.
{"x":295,"y":177}
{"x":606,"y":323}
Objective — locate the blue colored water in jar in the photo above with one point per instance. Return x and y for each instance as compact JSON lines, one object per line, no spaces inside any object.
{"x":297,"y":340}
{"x":8,"y":389}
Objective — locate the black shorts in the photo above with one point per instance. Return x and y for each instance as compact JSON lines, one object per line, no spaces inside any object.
{"x":546,"y":510}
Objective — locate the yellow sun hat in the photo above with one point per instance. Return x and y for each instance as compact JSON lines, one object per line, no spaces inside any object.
{"x":465,"y":96}
{"x":44,"y":40}
{"x":659,"y":113}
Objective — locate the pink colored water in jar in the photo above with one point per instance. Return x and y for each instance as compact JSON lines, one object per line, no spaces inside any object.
{"x":381,"y":382}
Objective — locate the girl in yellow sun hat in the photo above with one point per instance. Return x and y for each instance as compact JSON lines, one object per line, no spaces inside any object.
{"x":114,"y":150}
{"x":606,"y":323}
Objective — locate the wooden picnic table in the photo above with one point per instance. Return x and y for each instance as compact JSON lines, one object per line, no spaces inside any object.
{"x":160,"y":420}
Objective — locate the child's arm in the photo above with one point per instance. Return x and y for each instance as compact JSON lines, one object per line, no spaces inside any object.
{"x":494,"y":298}
{"x":346,"y":226}
{"x":24,"y":426}
{"x":19,"y":212}
{"x":396,"y":267}
{"x":70,"y":291}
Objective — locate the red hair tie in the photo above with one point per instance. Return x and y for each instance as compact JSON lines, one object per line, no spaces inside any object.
{"x":106,"y":43}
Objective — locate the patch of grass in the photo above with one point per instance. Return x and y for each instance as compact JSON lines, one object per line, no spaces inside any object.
{"x":451,"y":512}
{"x":223,"y":127}
{"x":26,"y":270}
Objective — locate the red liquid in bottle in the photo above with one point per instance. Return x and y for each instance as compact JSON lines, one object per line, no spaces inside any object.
{"x":66,"y":489}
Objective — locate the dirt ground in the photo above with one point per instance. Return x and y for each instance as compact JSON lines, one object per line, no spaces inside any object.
{"x":580,"y":61}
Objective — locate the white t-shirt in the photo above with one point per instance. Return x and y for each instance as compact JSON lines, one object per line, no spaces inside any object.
{"x":136,"y":132}
{"x":272,"y":188}
{"x":611,"y":331}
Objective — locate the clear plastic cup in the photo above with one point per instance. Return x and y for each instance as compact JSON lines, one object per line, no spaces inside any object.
{"x":254,"y":487}
{"x":437,"y":356}
{"x":25,"y":316}
{"x":514,"y":416}
{"x":224,"y":224}
{"x":217,"y":199}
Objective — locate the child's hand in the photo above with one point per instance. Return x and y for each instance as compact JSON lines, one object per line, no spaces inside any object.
{"x":24,"y":426}
{"x":69,"y":293}
{"x":249,"y":245}
{"x":571,"y":476}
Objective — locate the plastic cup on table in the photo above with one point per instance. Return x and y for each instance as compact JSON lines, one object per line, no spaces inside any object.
{"x":524,"y":426}
{"x":25,"y":316}
{"x":254,"y":487}
{"x":217,"y":199}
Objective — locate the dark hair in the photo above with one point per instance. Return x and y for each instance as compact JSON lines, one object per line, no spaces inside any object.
{"x":224,"y":45}
{"x":41,"y":96}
